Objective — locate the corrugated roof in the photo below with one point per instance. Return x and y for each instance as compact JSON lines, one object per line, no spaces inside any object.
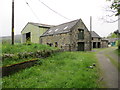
{"x":94,"y":34}
{"x":112,"y":39}
{"x":40,"y":25}
{"x":62,"y":28}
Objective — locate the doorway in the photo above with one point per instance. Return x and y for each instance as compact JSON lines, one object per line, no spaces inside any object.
{"x":80,"y":46}
{"x":99,"y":45}
{"x":28,"y":37}
{"x":94,"y":44}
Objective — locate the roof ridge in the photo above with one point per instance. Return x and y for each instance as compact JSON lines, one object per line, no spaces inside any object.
{"x":67,"y":22}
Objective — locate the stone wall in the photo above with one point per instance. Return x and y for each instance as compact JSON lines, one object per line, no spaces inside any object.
{"x":74,"y":36}
{"x":63,"y":40}
{"x":69,"y":41}
{"x":96,"y":41}
{"x":104,"y":44}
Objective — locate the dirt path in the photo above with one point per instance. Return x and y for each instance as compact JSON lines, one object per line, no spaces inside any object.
{"x":110,"y":72}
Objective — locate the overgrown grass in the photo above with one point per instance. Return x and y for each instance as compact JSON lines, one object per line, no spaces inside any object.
{"x":114,"y":62}
{"x":61,"y":70}
{"x":21,"y":48}
{"x":117,"y":52}
{"x":17,"y":48}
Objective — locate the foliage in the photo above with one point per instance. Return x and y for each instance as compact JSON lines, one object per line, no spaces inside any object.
{"x":61,"y":70}
{"x":20,"y":52}
{"x":19,"y":48}
{"x":112,"y":35}
{"x":116,"y":6}
{"x":118,"y":52}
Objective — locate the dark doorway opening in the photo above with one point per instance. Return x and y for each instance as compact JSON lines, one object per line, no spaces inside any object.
{"x":94,"y":44}
{"x":28,"y":37}
{"x":99,"y":45}
{"x":80,"y":46}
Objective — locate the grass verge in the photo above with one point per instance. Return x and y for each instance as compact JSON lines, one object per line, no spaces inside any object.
{"x":114,"y":62}
{"x":61,"y":70}
{"x":21,"y":48}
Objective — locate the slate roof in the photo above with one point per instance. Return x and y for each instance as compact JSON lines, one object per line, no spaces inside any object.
{"x":40,"y":25}
{"x":94,"y":34}
{"x":62,"y":28}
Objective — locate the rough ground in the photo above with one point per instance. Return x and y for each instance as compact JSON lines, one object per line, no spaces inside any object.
{"x":109,"y":71}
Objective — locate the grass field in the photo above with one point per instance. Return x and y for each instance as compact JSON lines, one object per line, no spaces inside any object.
{"x":61,"y":70}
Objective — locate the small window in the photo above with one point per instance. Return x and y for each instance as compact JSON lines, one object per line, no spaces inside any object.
{"x":80,"y":34}
{"x":50,"y":31}
{"x":56,"y":29}
{"x":99,"y":38}
{"x":92,"y":38}
{"x":65,"y":27}
{"x":56,"y":44}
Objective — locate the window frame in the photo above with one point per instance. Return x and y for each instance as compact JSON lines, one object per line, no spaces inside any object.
{"x":81,"y":34}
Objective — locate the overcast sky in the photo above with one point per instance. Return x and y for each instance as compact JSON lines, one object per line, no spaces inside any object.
{"x":72,"y":9}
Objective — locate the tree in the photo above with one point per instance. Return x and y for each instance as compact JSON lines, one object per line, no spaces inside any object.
{"x":112,"y":35}
{"x":112,"y":12}
{"x":117,"y":32}
{"x":116,"y":6}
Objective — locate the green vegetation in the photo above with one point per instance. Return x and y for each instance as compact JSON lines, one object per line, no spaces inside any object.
{"x":112,"y":35}
{"x":20,"y":48}
{"x":60,"y":70}
{"x":114,"y":62}
{"x":117,"y":52}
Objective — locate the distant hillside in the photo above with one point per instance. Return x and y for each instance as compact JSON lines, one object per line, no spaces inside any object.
{"x":7,"y":39}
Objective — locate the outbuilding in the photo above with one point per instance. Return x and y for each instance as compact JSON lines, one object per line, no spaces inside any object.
{"x":70,"y":36}
{"x":32,"y":31}
{"x":96,"y":40}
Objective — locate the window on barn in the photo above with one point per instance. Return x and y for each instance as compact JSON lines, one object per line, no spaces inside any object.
{"x":81,"y":34}
{"x":56,"y":44}
{"x":99,"y":38}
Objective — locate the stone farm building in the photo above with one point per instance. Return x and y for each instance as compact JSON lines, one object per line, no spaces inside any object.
{"x":70,"y":36}
{"x":97,"y":41}
{"x":104,"y":43}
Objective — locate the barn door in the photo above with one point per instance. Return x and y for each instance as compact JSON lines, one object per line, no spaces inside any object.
{"x":80,"y":46}
{"x":28,"y":37}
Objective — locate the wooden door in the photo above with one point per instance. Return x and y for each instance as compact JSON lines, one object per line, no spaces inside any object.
{"x":80,"y":46}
